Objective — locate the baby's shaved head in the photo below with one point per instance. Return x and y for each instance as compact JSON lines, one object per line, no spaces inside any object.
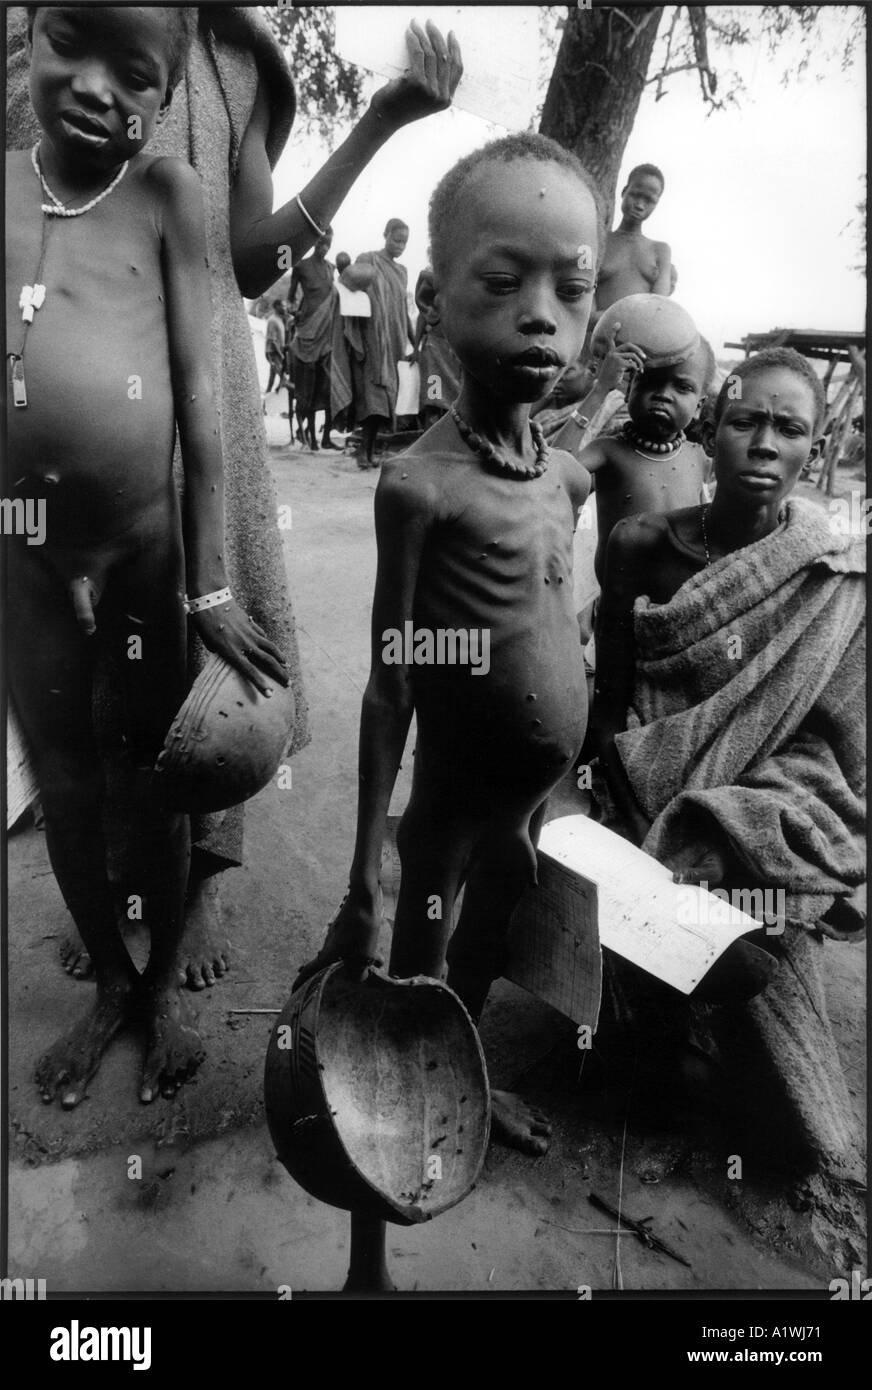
{"x":450,"y":190}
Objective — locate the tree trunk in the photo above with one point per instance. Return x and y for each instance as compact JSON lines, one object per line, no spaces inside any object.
{"x":596,"y":87}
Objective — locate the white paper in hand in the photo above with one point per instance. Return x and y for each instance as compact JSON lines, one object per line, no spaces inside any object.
{"x":499,"y":45}
{"x":674,"y":931}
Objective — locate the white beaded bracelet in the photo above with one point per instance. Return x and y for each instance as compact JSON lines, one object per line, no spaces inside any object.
{"x":198,"y":605}
{"x":581,"y":420}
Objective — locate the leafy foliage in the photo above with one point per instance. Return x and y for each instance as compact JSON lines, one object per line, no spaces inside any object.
{"x":328,"y":90}
{"x":800,"y":31}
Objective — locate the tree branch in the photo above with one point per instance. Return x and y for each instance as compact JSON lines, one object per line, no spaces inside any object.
{"x":668,"y":72}
{"x":636,"y":28}
{"x":675,"y":14}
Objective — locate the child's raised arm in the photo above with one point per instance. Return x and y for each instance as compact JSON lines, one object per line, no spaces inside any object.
{"x":614,"y":373}
{"x":224,"y":628}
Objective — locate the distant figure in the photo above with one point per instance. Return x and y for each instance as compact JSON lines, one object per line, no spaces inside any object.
{"x":348,"y":347}
{"x":633,"y":264}
{"x":387,"y":335}
{"x":313,"y":341}
{"x":275,"y":345}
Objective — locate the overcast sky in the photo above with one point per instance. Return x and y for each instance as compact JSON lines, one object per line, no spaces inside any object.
{"x":757,"y":198}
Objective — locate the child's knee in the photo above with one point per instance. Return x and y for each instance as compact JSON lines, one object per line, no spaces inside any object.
{"x":513,"y":860}
{"x":70,"y":790}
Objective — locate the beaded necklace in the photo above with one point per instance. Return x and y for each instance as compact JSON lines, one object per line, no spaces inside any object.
{"x":659,"y":449}
{"x":55,"y":208}
{"x":497,"y":461}
{"x":32,"y":297}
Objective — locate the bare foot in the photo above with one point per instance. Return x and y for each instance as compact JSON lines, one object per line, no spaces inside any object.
{"x":75,"y":959}
{"x":173,"y":1048}
{"x":517,"y":1124}
{"x":204,"y":953}
{"x":70,"y":1063}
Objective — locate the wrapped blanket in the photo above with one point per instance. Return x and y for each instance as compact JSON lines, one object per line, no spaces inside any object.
{"x":232,"y":51}
{"x":385,"y":337}
{"x":749,"y":711}
{"x":748,"y":721}
{"x":347,"y":347}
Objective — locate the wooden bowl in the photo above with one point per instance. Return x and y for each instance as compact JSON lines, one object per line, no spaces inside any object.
{"x":226,"y":742}
{"x":377,"y":1095}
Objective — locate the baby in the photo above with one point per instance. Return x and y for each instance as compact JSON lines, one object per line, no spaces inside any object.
{"x":475,"y":540}
{"x":107,"y":317}
{"x":649,"y":466}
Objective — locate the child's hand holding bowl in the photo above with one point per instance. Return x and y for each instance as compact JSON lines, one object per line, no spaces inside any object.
{"x":238,"y":638}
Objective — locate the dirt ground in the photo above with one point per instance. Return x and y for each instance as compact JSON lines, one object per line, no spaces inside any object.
{"x":213,"y":1209}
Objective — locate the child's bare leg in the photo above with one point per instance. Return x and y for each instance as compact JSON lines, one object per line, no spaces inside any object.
{"x":51,"y":683}
{"x":204,"y":955}
{"x":503,"y":868}
{"x":369,"y":431}
{"x":154,"y":684}
{"x":435,"y":839}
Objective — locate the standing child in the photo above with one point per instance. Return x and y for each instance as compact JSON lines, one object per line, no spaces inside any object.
{"x":473,"y":625}
{"x":275,"y":345}
{"x":109,"y":354}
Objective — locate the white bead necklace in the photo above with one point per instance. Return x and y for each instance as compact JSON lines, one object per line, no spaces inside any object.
{"x":56,"y":208}
{"x":32,"y":297}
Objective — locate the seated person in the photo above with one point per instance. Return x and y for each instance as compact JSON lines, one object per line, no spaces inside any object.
{"x":728,"y":720}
